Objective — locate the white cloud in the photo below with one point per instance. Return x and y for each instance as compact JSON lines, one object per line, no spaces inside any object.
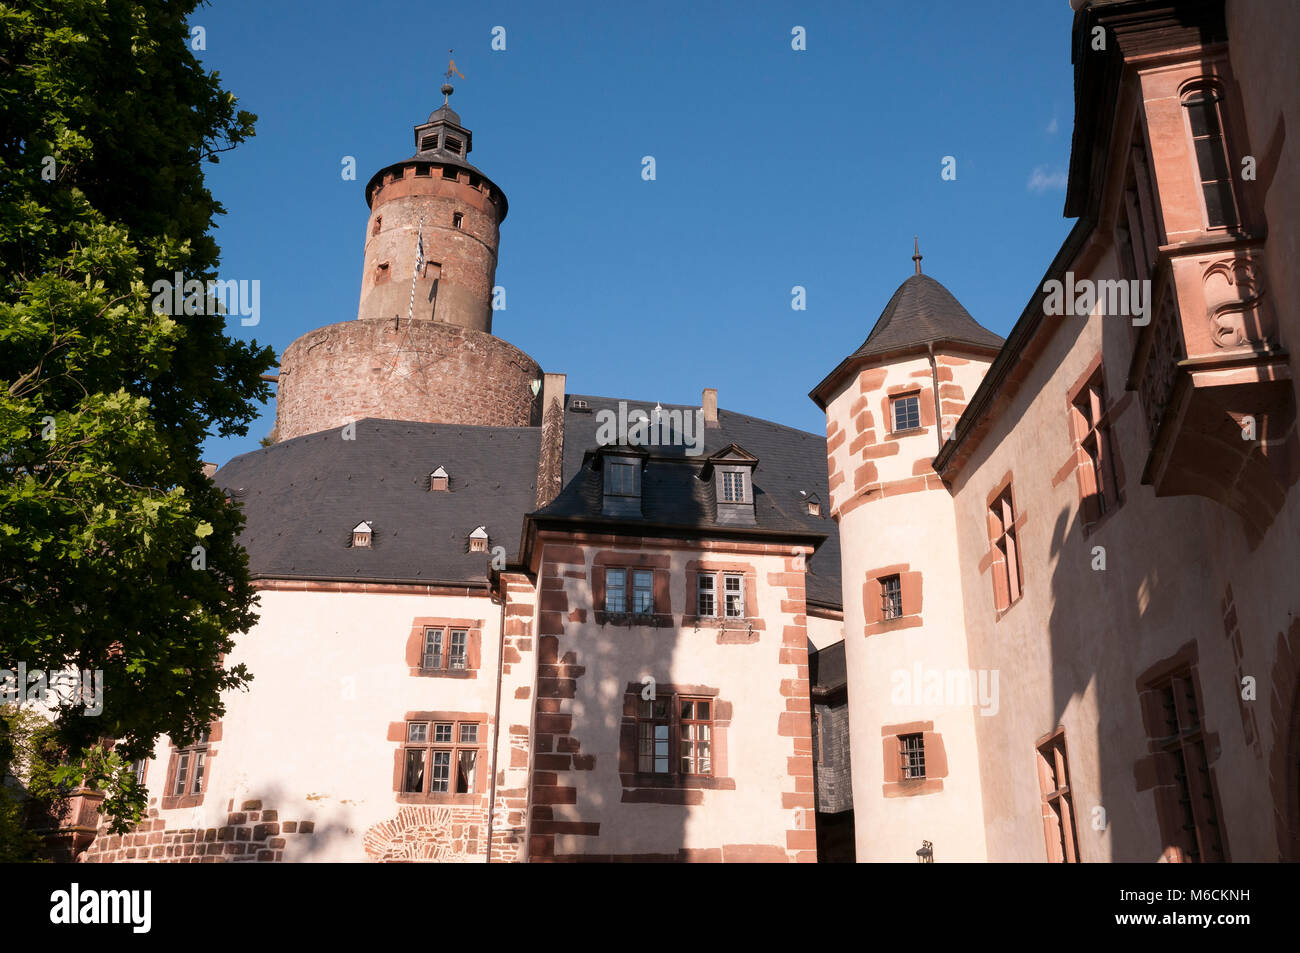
{"x":1053,"y":126}
{"x":1042,"y":180}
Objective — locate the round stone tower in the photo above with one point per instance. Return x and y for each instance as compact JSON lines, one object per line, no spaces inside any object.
{"x":421,"y":347}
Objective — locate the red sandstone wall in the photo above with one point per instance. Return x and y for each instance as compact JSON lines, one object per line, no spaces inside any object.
{"x":421,"y":370}
{"x":467,"y":255}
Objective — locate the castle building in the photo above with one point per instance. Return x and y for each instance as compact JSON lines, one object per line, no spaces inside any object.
{"x":1039,"y":604}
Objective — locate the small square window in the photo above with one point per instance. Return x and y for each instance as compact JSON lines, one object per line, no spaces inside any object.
{"x":469,"y":734}
{"x":442,"y":734}
{"x":417,"y":731}
{"x":907,"y":412}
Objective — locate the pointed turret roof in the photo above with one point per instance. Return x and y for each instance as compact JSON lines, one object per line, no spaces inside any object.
{"x":920,"y":313}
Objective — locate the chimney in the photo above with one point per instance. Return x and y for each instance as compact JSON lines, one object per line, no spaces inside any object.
{"x":551,"y":455}
{"x":209,"y":469}
{"x":710,"y":406}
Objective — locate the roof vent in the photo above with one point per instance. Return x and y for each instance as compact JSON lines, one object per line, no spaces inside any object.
{"x":362,"y":534}
{"x":438,"y":479}
{"x":580,"y":407}
{"x":478,"y":540}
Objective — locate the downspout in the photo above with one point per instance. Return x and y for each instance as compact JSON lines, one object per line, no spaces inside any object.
{"x":938,"y":411}
{"x":496,"y":720}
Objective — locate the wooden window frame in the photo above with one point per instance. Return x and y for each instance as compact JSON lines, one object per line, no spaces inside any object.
{"x":445,"y":640}
{"x":430,"y":744}
{"x":189,"y":768}
{"x":711,"y":591}
{"x":1060,"y":824}
{"x":1090,"y":427}
{"x":1196,"y":824}
{"x":673,"y":722}
{"x":1005,"y":549}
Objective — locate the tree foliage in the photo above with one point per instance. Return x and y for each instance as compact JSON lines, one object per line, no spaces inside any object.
{"x":106,"y":122}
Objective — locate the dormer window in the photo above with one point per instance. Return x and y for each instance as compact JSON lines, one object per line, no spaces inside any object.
{"x":478,"y":540}
{"x":622,"y":485}
{"x":362,"y":535}
{"x":438,"y":480}
{"x":732,"y":473}
{"x":734,"y":486}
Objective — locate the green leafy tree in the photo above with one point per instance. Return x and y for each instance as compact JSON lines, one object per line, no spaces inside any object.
{"x":106,"y":121}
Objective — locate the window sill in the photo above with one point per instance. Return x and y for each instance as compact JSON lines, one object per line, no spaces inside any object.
{"x":1002,"y":612}
{"x":444,"y":673}
{"x":678,"y":782}
{"x":1090,"y":527}
{"x":909,"y":432}
{"x":180,"y":801}
{"x":655,"y":620}
{"x":404,"y":797}
{"x":717,"y":622}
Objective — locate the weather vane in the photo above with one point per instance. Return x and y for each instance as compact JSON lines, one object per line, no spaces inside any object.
{"x":447,"y":88}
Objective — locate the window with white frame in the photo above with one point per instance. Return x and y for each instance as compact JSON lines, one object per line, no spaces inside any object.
{"x":733,"y":595}
{"x":707,"y":589}
{"x":907,"y":412}
{"x":445,"y":649}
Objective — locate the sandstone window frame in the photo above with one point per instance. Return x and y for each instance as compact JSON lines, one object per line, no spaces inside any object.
{"x":673,"y":786}
{"x":1060,"y":824}
{"x":452,"y":757}
{"x":644,"y":574}
{"x":896,"y":782}
{"x":189,"y":769}
{"x":429,"y":635}
{"x":1099,"y":472}
{"x":734,"y":586}
{"x":1208,"y":92}
{"x":447,"y":647}
{"x":876,"y":596}
{"x":1182,"y":751}
{"x":1005,"y":547}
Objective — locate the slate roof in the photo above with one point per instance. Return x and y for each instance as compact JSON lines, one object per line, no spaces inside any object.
{"x":302,"y":497}
{"x":789,"y":461}
{"x":922,"y":311}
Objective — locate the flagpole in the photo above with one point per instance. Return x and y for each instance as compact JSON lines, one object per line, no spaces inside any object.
{"x":419,"y":260}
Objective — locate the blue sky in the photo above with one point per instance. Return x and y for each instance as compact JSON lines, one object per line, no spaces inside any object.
{"x":774,"y":167}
